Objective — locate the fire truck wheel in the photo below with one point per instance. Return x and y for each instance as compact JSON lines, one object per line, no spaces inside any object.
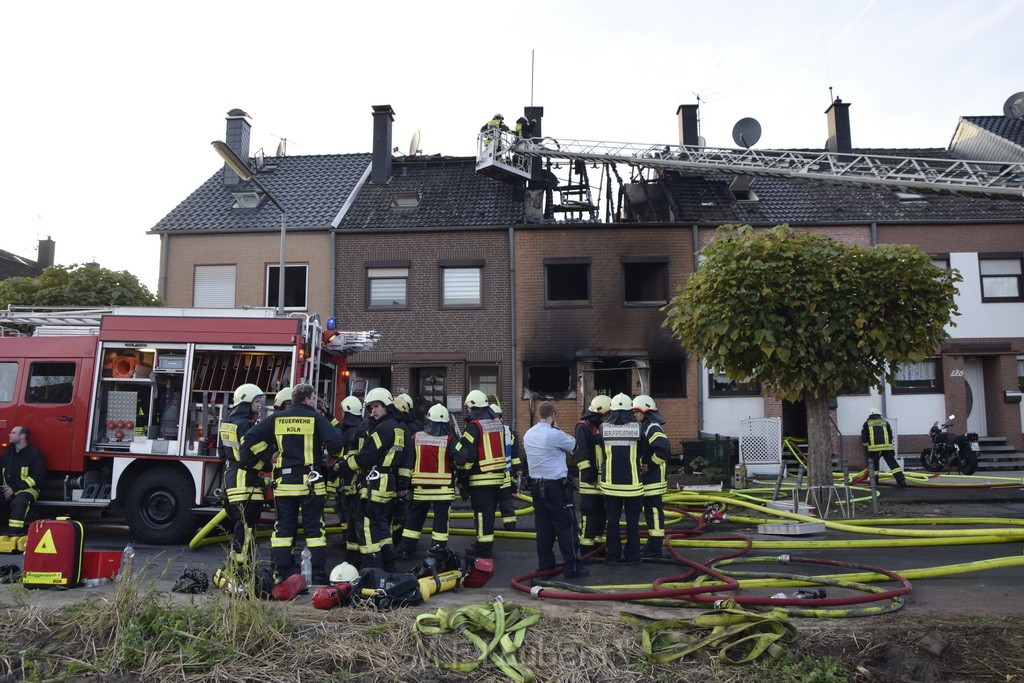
{"x":159,"y":504}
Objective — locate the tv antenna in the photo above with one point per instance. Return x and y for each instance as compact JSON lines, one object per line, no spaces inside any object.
{"x":282,"y":146}
{"x":746,"y":132}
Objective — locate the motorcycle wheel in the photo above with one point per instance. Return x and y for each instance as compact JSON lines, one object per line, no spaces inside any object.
{"x":968,"y":462}
{"x":930,"y":461}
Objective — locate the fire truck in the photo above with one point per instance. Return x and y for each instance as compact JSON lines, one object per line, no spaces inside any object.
{"x":124,"y":403}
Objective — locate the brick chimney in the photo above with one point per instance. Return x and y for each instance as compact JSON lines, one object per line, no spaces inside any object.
{"x":45,"y":257}
{"x":687,"y":115}
{"x":839,"y":127}
{"x":237,"y":138}
{"x":383,"y":117}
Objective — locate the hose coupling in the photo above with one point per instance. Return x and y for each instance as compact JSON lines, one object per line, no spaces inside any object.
{"x":784,"y":559}
{"x":536,"y":591}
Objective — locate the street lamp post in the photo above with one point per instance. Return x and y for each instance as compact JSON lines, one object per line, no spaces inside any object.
{"x":245,"y":173}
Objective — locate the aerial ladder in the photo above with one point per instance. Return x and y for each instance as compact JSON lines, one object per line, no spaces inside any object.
{"x":508,"y":157}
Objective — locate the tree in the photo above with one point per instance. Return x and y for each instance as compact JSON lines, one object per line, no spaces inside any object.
{"x":77,"y":285}
{"x":810,"y":317}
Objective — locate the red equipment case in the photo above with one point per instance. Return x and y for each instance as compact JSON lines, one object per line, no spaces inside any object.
{"x":53,"y":554}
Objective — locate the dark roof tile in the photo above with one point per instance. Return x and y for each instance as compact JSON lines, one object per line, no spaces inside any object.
{"x":1009,"y":129}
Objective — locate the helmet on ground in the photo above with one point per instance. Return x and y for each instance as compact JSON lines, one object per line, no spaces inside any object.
{"x":438,"y":413}
{"x":600,"y":404}
{"x":874,"y":411}
{"x":496,"y":409}
{"x":283,"y":396}
{"x":352,"y":405}
{"x":344,"y":572}
{"x":476,"y":399}
{"x":643,"y":403}
{"x":247,"y":393}
{"x":378,"y":395}
{"x":403,"y":402}
{"x":621,"y":402}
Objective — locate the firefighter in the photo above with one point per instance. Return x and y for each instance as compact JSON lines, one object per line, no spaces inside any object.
{"x":513,"y":473}
{"x":876,"y":435}
{"x":243,"y":478}
{"x":400,"y":507}
{"x":619,"y":481}
{"x":655,"y":451}
{"x":433,"y":484}
{"x":480,"y":453}
{"x":301,"y":432}
{"x":379,"y":462}
{"x":592,"y":515}
{"x":353,"y":429}
{"x":497,"y":122}
{"x":524,"y":127}
{"x":21,"y":474}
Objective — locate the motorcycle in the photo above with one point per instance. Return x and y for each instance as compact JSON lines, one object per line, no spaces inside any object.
{"x":949,"y":450}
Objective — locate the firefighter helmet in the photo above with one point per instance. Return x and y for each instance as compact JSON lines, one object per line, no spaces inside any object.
{"x":352,"y":406}
{"x":621,"y":402}
{"x":600,"y":404}
{"x":643,"y":403}
{"x":283,"y":396}
{"x":344,"y":572}
{"x":403,"y":402}
{"x":476,"y":399}
{"x":378,"y":395}
{"x":247,"y":393}
{"x":496,"y":409}
{"x":438,"y":413}
{"x":874,"y":411}
{"x":499,"y":117}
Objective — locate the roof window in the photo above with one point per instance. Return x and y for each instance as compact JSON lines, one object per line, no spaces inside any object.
{"x":405,"y":199}
{"x":908,"y":196}
{"x":740,"y":189}
{"x":246,"y":200}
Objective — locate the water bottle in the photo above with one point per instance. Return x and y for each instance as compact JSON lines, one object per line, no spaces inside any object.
{"x":127,"y":560}
{"x":306,"y":568}
{"x":812,"y":594}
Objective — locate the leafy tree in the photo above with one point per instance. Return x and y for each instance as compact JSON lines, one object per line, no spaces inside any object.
{"x":810,"y":317}
{"x":77,"y":285}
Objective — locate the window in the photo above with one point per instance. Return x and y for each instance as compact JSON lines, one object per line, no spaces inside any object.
{"x":295,"y":282}
{"x":941,"y":261}
{"x":721,"y":386}
{"x":919,"y":378}
{"x":214,"y":287}
{"x":50,"y":382}
{"x":567,"y":282}
{"x":8,"y":376}
{"x":246,"y":200}
{"x":405,"y":199}
{"x":1000,"y":278}
{"x":668,"y":378}
{"x":484,"y":378}
{"x":644,"y":281}
{"x":1020,"y":373}
{"x":460,"y":287}
{"x":614,"y":376}
{"x":387,"y":287}
{"x":549,"y":380}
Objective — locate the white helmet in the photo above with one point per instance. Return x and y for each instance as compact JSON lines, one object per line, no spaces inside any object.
{"x":476,"y":399}
{"x":247,"y":393}
{"x":874,"y":411}
{"x":283,"y":396}
{"x":600,"y":404}
{"x":643,"y":403}
{"x":403,"y":402}
{"x":438,"y":413}
{"x":352,"y":406}
{"x":496,"y":409}
{"x":621,"y":402}
{"x":378,"y":395}
{"x":344,"y":572}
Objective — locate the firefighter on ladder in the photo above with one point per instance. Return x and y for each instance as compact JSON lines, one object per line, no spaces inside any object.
{"x":586,"y":457}
{"x":433,"y":484}
{"x":243,"y":475}
{"x":655,"y":451}
{"x":480,"y":453}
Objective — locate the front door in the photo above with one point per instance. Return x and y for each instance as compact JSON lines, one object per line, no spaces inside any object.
{"x":429,"y":389}
{"x":974,"y":377}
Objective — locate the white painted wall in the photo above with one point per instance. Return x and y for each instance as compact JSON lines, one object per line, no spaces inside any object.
{"x":977,"y":319}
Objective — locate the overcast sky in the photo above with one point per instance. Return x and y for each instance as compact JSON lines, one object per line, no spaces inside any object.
{"x":111,"y":106}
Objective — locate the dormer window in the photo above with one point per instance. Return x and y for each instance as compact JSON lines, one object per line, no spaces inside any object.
{"x":740,"y":189}
{"x":405,"y":200}
{"x":246,"y":200}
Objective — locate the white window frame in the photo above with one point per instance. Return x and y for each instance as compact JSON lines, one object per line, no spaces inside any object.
{"x":459,"y":279}
{"x":272,"y":290}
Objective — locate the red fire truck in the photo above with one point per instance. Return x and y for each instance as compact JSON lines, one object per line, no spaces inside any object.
{"x":124,"y":402}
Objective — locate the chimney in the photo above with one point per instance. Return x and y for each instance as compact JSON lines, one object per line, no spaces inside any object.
{"x":687,"y":114}
{"x":535,"y":114}
{"x":383,"y":116}
{"x":45,"y":257}
{"x":839,"y":128}
{"x":237,"y":138}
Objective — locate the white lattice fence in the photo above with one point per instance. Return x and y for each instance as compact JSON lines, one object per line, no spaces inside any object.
{"x":761,"y":445}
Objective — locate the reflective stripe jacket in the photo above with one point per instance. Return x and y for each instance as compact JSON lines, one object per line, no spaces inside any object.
{"x":23,"y":470}
{"x":481,"y":450}
{"x":620,"y":459}
{"x":433,"y":475}
{"x":876,"y":434}
{"x":379,"y":459}
{"x":655,"y":452}
{"x":586,"y":455}
{"x":242,"y":480}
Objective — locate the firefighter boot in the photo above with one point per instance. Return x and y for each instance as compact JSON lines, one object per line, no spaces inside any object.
{"x":479,"y":549}
{"x":653,"y":549}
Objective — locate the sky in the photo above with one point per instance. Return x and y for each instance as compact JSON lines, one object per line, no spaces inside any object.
{"x":111,"y":105}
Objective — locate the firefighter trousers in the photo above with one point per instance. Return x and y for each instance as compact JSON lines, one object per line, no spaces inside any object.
{"x":615,"y":507}
{"x":282,"y":542}
{"x":654,"y":516}
{"x":592,"y":520}
{"x":243,"y":516}
{"x":16,"y":510}
{"x":377,"y":549}
{"x":484,"y":499}
{"x":418,"y":510}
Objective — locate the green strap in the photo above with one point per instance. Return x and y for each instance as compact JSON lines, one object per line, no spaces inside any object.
{"x":495,"y":633}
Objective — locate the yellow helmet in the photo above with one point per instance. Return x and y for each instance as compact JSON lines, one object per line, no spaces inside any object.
{"x":403,"y":402}
{"x":621,"y":402}
{"x":600,"y":404}
{"x":438,"y":413}
{"x":476,"y":399}
{"x":378,"y":395}
{"x":643,"y":403}
{"x":283,"y":396}
{"x":352,"y":405}
{"x":246,"y":393}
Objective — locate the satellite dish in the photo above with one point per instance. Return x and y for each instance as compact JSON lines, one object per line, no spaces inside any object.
{"x":414,"y":144}
{"x":746,"y":132}
{"x":282,"y":147}
{"x":701,"y":142}
{"x":1014,"y":106}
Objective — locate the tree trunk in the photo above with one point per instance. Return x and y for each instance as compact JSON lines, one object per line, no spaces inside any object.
{"x":819,"y":441}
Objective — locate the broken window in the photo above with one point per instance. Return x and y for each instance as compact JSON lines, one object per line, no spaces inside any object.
{"x":567,"y":282}
{"x":549,"y":381}
{"x":644,"y":281}
{"x":721,"y":386}
{"x":668,"y":378}
{"x":614,"y":376}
